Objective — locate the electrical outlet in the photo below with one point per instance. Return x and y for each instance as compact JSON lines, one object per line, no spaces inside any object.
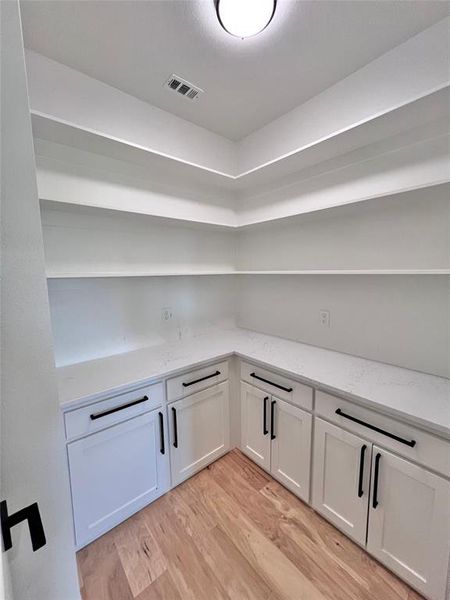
{"x":166,"y":314}
{"x":324,"y":316}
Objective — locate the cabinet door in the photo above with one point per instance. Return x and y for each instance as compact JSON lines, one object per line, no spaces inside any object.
{"x":200,"y":431}
{"x":255,"y":421}
{"x":409,"y":521}
{"x":290,"y":433}
{"x":116,"y":472}
{"x":341,"y":475}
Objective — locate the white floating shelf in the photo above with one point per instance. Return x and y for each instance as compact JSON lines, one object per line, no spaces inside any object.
{"x":423,"y":111}
{"x":352,"y":272}
{"x":64,"y":206}
{"x":105,"y":274}
{"x":48,"y":128}
{"x":381,"y":126}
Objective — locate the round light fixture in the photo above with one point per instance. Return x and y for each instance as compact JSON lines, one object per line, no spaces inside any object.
{"x":244,"y":18}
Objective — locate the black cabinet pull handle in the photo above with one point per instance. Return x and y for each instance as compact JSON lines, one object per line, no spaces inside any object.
{"x":375,"y":481}
{"x":265,"y":430}
{"x":361,"y":471}
{"x":175,"y":428}
{"x":410,"y":443}
{"x":201,"y":379}
{"x":162,"y":447}
{"x":99,"y":415}
{"x":277,"y":385}
{"x":30,"y":514}
{"x":272,"y":420}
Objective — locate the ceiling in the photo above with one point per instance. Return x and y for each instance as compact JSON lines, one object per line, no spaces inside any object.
{"x":135,"y":45}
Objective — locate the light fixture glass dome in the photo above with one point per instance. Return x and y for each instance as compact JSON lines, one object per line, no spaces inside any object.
{"x":244,"y":18}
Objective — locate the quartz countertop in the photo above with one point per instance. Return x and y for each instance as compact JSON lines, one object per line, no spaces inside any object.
{"x":419,"y":398}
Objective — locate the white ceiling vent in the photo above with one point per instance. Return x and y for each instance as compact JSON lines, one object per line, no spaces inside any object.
{"x":184,"y":88}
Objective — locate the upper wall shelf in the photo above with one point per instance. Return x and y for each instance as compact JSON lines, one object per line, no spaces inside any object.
{"x":105,"y":274}
{"x":46,"y":127}
{"x":421,"y":112}
{"x":352,"y":272}
{"x":130,"y":215}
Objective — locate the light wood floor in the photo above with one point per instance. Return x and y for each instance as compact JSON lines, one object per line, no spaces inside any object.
{"x":231,"y":532}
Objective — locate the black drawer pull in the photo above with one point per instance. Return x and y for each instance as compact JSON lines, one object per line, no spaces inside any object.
{"x":375,"y":481}
{"x":117,"y":408}
{"x":162,"y":447}
{"x":361,"y":471}
{"x":280,"y":387}
{"x":30,"y":514}
{"x":410,"y":443}
{"x":272,"y":420}
{"x":201,"y":379}
{"x":175,"y":428}
{"x":265,"y":430}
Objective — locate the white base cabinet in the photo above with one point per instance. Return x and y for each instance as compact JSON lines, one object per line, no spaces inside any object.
{"x":255,"y":439}
{"x":277,"y":436}
{"x":116,"y":472}
{"x":127,"y":450}
{"x":340,"y":490}
{"x":398,"y":510}
{"x":199,"y":431}
{"x":409,"y":522}
{"x":290,"y":458}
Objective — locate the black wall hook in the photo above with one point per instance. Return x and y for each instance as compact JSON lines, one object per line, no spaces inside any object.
{"x":30,"y":514}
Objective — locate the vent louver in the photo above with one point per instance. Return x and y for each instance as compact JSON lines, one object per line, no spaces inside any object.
{"x":183,"y":87}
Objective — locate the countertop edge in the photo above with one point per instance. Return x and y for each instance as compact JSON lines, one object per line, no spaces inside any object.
{"x":73,"y":403}
{"x":430,"y":427}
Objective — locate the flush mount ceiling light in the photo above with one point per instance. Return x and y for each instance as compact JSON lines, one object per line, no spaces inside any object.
{"x":244,"y":18}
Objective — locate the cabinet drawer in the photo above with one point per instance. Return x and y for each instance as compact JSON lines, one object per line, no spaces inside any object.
{"x":278,"y":385}
{"x":195,"y":381}
{"x":113,"y":410}
{"x":428,"y":450}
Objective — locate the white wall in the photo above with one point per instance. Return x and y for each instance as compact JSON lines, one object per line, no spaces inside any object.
{"x":92,"y":318}
{"x":33,"y":466}
{"x":84,"y":240}
{"x":402,"y":320}
{"x":397,"y":319}
{"x":404,"y":231}
{"x":5,"y":582}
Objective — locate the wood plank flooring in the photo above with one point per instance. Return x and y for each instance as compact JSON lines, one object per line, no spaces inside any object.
{"x":231,"y":533}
